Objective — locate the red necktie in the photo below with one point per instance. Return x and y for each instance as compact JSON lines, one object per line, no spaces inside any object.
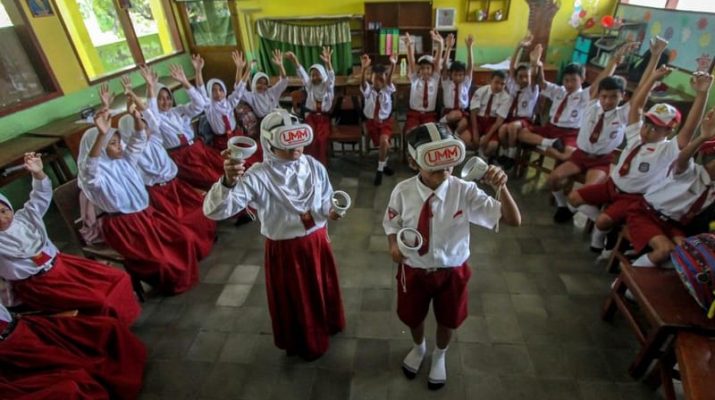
{"x":423,"y":225}
{"x":488,"y":112}
{"x":425,"y":95}
{"x":456,"y":105}
{"x":597,"y":129}
{"x":226,"y":123}
{"x":182,"y":139}
{"x":694,"y":209}
{"x":514,"y":104}
{"x":376,"y":113}
{"x":561,"y":109}
{"x":626,"y":166}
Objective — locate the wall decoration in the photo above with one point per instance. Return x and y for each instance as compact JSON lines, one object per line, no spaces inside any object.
{"x":40,"y":8}
{"x":445,"y":18}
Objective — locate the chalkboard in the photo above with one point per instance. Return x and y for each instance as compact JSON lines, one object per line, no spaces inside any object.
{"x":691,"y":34}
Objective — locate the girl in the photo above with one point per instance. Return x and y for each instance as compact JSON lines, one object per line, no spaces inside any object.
{"x":43,"y":278}
{"x":293,"y":196}
{"x":262,"y":98}
{"x":157,"y":249}
{"x":198,"y":165}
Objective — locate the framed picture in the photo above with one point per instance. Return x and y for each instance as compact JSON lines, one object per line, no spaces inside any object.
{"x":40,"y":8}
{"x":445,"y":18}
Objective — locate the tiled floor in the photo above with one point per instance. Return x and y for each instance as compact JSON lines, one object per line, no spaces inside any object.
{"x":533,"y":330}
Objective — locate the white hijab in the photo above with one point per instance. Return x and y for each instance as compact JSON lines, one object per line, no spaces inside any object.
{"x":25,"y":236}
{"x":154,"y":163}
{"x":210,"y":85}
{"x":118,"y":186}
{"x":319,"y":90}
{"x":255,"y":79}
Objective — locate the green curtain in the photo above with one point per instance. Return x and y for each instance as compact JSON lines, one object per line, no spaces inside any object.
{"x":306,"y":42}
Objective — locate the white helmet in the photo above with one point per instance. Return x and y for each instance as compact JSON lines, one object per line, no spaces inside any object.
{"x":285,"y":131}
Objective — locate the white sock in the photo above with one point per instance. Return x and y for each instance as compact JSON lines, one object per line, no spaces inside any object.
{"x":643,"y":261}
{"x":381,"y":165}
{"x":571,"y":208}
{"x":511,"y":152}
{"x":414,"y":358}
{"x":438,"y":370}
{"x":598,"y":237}
{"x":502,"y":151}
{"x":547,"y":142}
{"x":592,"y":212}
{"x":541,"y":147}
{"x":560,"y":197}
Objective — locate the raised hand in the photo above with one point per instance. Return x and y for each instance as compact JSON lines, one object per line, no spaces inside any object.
{"x":197,"y":61}
{"x":149,"y":75}
{"x":701,"y":82}
{"x":33,"y":163}
{"x":657,"y":45}
{"x":436,"y":36}
{"x":326,"y":55}
{"x":407,"y":39}
{"x":277,"y":57}
{"x":126,"y":83}
{"x":105,"y":95}
{"x":393,"y":59}
{"x":177,"y":72}
{"x":535,"y":54}
{"x":469,"y":41}
{"x":450,"y":41}
{"x":102,"y":120}
{"x":290,"y":56}
{"x":526,"y":41}
{"x":707,"y":126}
{"x":233,"y":168}
{"x":621,"y":52}
{"x":662,"y":72}
{"x":238,"y":59}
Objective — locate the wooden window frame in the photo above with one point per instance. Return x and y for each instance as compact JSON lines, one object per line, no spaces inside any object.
{"x":233,"y":9}
{"x":38,"y":59}
{"x":132,"y":42}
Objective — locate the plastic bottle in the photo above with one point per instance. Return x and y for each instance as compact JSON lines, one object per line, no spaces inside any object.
{"x":403,"y":67}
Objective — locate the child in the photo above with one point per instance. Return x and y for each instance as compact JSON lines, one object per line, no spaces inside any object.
{"x":199,"y":165}
{"x":156,"y":248}
{"x":320,"y":90}
{"x":292,"y":193}
{"x":378,"y":110}
{"x":674,"y":202}
{"x":440,"y":207}
{"x":263,"y":98}
{"x":46,"y":280}
{"x":488,"y":109}
{"x":648,"y":152}
{"x":455,"y":88}
{"x":524,"y":95}
{"x":424,"y":83}
{"x":99,"y":353}
{"x":602,"y":127}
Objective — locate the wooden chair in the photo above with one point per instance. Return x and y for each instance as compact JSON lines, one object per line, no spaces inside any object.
{"x":66,"y":198}
{"x":348,"y":129}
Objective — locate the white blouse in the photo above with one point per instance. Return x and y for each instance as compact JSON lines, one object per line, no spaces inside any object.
{"x":264,"y":103}
{"x":215,"y":110}
{"x":176,"y":122}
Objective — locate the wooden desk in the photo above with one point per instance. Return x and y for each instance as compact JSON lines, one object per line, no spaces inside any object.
{"x":14,"y":152}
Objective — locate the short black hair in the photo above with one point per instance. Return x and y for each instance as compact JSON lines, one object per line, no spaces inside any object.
{"x":520,"y":67}
{"x":425,"y":61}
{"x":574,"y":69}
{"x":457,"y":66}
{"x":498,"y":74}
{"x":378,"y":69}
{"x":612,"y":83}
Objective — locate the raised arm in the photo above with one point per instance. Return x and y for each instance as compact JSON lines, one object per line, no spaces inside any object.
{"x":437,"y":61}
{"x":290,"y":56}
{"x":537,"y":66}
{"x":707,"y":133}
{"x":198,"y":62}
{"x":391,"y":69}
{"x":103,"y":124}
{"x":701,"y":83}
{"x":448,"y":45}
{"x":41,"y":194}
{"x":129,"y":92}
{"x":327,"y":56}
{"x":650,"y":76}
{"x":152,"y":81}
{"x":196,"y":106}
{"x":240,"y":62}
{"x":410,"y":53}
{"x":524,"y":43}
{"x":469,"y":41}
{"x":137,"y":142}
{"x":617,"y":58}
{"x":105,"y":95}
{"x":364,"y":65}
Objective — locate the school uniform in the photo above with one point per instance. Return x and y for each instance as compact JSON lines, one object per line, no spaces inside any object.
{"x":641,"y":166}
{"x":46,"y":280}
{"x":455,"y":96}
{"x":157,"y":248}
{"x":565,"y":113}
{"x":600,"y":134}
{"x":319,"y":101}
{"x":35,"y":349}
{"x":221,"y":114}
{"x":523,"y":102}
{"x":198,"y":164}
{"x":378,"y":111}
{"x":293,"y":202}
{"x":264,"y":103}
{"x":670,"y":205}
{"x":437,"y":272}
{"x":489,"y":107}
{"x":423,"y":100}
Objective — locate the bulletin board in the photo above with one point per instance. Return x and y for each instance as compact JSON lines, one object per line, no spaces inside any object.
{"x":691,"y":34}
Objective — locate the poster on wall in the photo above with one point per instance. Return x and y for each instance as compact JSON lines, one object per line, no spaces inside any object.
{"x":40,"y":8}
{"x":690,"y":34}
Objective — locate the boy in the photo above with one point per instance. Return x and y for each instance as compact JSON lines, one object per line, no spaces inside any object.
{"x":424,"y":83}
{"x":320,"y":90}
{"x":488,"y":110}
{"x":524,"y":95}
{"x":674,"y":202}
{"x":648,"y":153}
{"x":440,"y":207}
{"x":455,"y":87}
{"x":602,"y":126}
{"x":378,"y":110}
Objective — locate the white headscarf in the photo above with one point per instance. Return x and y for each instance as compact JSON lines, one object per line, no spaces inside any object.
{"x":117,"y":187}
{"x":321,"y":89}
{"x":255,"y":79}
{"x":154,"y":164}
{"x":210,"y":85}
{"x":25,"y":236}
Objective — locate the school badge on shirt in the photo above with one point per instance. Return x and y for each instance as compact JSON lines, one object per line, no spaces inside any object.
{"x":643,"y":167}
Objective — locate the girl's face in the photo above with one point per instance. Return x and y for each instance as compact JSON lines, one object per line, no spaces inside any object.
{"x":315,"y":77}
{"x":217,"y":92}
{"x":261,"y":85}
{"x":289,"y":155}
{"x":164,"y":100}
{"x":6,"y":217}
{"x":114,"y":147}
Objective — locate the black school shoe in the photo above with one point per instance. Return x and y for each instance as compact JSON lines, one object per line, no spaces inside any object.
{"x":563,"y":215}
{"x":435,"y":385}
{"x":388,"y":171}
{"x":506,"y":162}
{"x":559,"y":145}
{"x":378,"y":178}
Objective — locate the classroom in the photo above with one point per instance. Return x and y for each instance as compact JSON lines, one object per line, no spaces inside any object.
{"x":357,"y":200}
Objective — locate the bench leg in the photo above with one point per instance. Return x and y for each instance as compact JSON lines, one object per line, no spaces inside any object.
{"x":609,"y":307}
{"x":649,"y":352}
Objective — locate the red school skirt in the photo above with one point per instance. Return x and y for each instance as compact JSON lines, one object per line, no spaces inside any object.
{"x":180,"y":201}
{"x":199,"y":165}
{"x":320,"y":123}
{"x":303,"y":294}
{"x":101,"y":346}
{"x":158,"y":250}
{"x":75,"y":384}
{"x":78,"y":283}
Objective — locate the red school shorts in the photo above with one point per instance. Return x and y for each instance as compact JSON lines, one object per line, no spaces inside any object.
{"x":453,"y":126}
{"x":587,"y":161}
{"x":417,"y":118}
{"x":485,"y":124}
{"x":607,"y":193}
{"x":551,"y":131}
{"x":523,"y":122}
{"x":377,"y":128}
{"x":445,"y":287}
{"x":644,"y":224}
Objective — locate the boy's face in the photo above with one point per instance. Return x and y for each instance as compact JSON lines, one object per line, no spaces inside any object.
{"x":6,"y":217}
{"x":610,"y":99}
{"x":378,"y":80}
{"x":497,"y":83}
{"x":572,"y":82}
{"x":289,"y":155}
{"x":261,"y":85}
{"x":457,"y":76}
{"x":425,"y":70}
{"x":315,"y":77}
{"x":651,"y":133}
{"x":114,"y":147}
{"x":522,"y":77}
{"x":164,"y":100}
{"x":432,"y":179}
{"x":217,"y":92}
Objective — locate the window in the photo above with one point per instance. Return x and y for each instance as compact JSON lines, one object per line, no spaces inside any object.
{"x":696,"y":5}
{"x":25,"y":78}
{"x":111,"y":36}
{"x":647,"y":3}
{"x":210,"y":22}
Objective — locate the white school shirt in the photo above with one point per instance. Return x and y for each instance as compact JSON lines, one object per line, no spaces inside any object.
{"x":177,"y":121}
{"x":385,"y":95}
{"x":263,"y":103}
{"x":500,"y":103}
{"x":215,"y":110}
{"x":154,"y":164}
{"x":324,"y":92}
{"x":649,"y":166}
{"x":417,"y":87}
{"x":27,"y":229}
{"x":279,"y":221}
{"x":675,"y":195}
{"x":455,"y":205}
{"x":527,"y":98}
{"x":614,"y":124}
{"x":573,"y":111}
{"x":448,"y":93}
{"x":5,"y":315}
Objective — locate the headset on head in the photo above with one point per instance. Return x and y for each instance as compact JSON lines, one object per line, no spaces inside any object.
{"x":290,"y":135}
{"x":438,"y":153}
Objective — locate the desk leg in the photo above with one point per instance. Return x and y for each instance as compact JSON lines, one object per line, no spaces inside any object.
{"x":609,"y":307}
{"x":650,"y":351}
{"x":61,"y":163}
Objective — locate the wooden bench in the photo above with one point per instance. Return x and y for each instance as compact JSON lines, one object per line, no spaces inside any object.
{"x":13,"y":154}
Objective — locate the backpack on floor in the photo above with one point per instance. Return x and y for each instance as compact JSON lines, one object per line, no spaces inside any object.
{"x":695,"y":262}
